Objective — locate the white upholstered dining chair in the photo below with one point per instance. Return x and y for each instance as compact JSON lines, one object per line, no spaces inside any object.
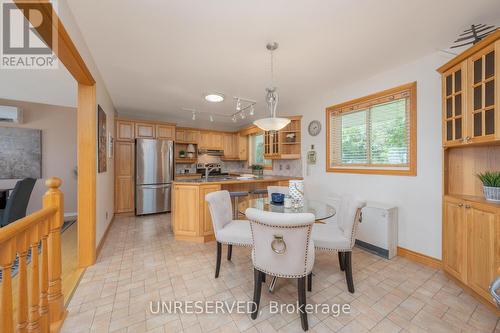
{"x":282,"y":247}
{"x":277,"y":189}
{"x":339,"y":234}
{"x":227,"y":231}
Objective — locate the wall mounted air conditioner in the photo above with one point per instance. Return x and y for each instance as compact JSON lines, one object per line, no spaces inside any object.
{"x":378,"y":231}
{"x":11,"y":114}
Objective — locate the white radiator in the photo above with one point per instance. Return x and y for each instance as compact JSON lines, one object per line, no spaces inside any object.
{"x":378,"y":231}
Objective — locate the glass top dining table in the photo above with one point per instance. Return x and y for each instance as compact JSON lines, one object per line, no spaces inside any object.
{"x":320,"y":210}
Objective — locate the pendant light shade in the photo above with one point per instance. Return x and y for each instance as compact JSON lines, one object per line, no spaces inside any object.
{"x":271,"y":124}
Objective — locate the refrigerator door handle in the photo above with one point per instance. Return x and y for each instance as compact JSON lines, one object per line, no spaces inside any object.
{"x":154,"y":187}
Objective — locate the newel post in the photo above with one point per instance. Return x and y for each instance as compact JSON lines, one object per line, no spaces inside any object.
{"x":54,"y":198}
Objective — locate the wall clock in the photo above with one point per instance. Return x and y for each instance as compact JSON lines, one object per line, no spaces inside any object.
{"x":314,"y":127}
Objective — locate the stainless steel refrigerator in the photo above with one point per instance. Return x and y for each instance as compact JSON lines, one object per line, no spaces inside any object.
{"x":154,"y":173}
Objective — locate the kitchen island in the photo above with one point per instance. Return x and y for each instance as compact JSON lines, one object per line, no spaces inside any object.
{"x":191,"y":219}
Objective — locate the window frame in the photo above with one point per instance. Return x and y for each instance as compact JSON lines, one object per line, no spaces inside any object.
{"x":384,"y":169}
{"x":251,"y":153}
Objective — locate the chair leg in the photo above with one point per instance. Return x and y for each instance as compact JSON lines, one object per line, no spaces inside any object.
{"x":229,"y":251}
{"x":217,"y":263}
{"x":302,"y":302}
{"x":310,"y":282}
{"x":348,"y":271}
{"x":257,"y":287}
{"x":341,"y":261}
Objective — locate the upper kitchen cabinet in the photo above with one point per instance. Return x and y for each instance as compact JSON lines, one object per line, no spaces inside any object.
{"x":483,"y":99}
{"x":125,"y":130}
{"x":235,"y":147}
{"x":144,"y":130}
{"x":454,"y":101}
{"x":471,"y":94}
{"x":186,"y":135}
{"x":211,"y":140}
{"x":285,"y":143}
{"x":166,"y":132}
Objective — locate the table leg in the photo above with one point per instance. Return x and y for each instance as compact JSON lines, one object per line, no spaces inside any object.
{"x":273,"y":284}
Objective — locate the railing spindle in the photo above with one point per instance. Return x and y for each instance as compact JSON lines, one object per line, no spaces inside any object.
{"x":54,"y":198}
{"x":7,"y":256}
{"x":33,"y":324}
{"x":44,"y":278}
{"x":22,"y":311}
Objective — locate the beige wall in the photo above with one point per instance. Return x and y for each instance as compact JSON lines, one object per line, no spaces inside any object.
{"x":59,"y":154}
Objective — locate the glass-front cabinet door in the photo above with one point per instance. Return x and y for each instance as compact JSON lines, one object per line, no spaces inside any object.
{"x":271,"y":144}
{"x":454,"y":83}
{"x":483,"y":99}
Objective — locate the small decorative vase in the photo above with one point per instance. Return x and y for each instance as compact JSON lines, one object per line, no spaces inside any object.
{"x":296,"y":190}
{"x":492,"y":193}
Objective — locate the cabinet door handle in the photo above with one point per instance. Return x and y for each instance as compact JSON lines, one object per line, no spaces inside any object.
{"x":467,"y":206}
{"x":460,"y":205}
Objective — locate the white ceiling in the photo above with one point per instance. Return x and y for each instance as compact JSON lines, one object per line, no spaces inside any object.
{"x":158,"y":57}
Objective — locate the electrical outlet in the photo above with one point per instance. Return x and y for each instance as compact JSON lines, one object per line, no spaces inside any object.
{"x":281,"y":167}
{"x":287,"y":166}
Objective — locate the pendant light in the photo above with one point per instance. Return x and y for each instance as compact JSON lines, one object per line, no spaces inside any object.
{"x":272,"y":123}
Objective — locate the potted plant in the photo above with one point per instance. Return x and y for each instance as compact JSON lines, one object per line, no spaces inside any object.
{"x":257,"y":169}
{"x":182,"y":154}
{"x":491,"y":185}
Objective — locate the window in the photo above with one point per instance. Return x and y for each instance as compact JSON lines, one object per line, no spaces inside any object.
{"x":374,"y":134}
{"x":256,"y":143}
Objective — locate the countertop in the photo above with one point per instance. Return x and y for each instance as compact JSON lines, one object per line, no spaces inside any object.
{"x":224,"y":180}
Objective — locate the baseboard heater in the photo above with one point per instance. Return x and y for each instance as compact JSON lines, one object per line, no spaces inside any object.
{"x":378,"y":231}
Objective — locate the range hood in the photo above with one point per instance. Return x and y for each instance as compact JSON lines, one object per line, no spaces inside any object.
{"x":211,"y":152}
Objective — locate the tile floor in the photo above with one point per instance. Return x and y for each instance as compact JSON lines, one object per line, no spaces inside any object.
{"x":140,"y":262}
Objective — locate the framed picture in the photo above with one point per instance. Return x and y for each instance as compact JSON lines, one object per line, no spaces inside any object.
{"x":102,"y":143}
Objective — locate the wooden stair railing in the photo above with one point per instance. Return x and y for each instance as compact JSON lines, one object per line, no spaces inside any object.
{"x":40,"y":302}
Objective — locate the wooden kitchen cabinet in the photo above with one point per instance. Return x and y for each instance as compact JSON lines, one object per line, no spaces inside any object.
{"x":471,"y":95}
{"x":229,"y":146}
{"x":455,"y":242}
{"x":285,"y":143}
{"x":125,"y":130}
{"x":454,"y":102}
{"x":471,"y":242}
{"x":211,"y":140}
{"x":184,"y":135}
{"x":144,"y":130}
{"x":483,"y":248}
{"x":124,"y":177}
{"x":166,"y":132}
{"x":242,"y":146}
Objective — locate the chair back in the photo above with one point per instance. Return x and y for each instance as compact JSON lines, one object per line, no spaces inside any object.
{"x":350,"y":215}
{"x":282,"y":244}
{"x":17,"y":203}
{"x":277,"y":189}
{"x":220,"y":206}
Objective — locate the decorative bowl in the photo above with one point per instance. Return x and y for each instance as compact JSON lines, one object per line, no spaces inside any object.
{"x":277,"y":198}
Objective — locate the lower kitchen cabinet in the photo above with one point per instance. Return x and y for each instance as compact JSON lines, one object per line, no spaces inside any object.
{"x":471,"y":242}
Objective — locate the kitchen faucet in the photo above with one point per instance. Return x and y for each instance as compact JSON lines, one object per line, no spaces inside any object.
{"x":208,"y":170}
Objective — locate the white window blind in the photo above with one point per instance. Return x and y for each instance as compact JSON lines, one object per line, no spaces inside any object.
{"x":372,"y":134}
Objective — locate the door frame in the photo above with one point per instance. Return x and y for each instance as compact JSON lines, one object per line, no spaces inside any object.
{"x":69,"y":56}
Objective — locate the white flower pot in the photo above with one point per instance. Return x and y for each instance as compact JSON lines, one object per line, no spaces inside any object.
{"x":492,"y":193}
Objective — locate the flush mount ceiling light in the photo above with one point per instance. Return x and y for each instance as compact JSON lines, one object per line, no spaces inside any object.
{"x":272,"y":123}
{"x":214,"y":98}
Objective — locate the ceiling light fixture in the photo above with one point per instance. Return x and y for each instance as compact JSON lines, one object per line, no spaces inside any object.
{"x":252,"y":110}
{"x":272,"y":123}
{"x":194,"y":115}
{"x":234,"y":118}
{"x":211,"y":118}
{"x":238,"y":104}
{"x":214,"y":98}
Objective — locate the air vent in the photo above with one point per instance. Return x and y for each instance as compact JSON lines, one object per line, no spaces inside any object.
{"x":11,"y":114}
